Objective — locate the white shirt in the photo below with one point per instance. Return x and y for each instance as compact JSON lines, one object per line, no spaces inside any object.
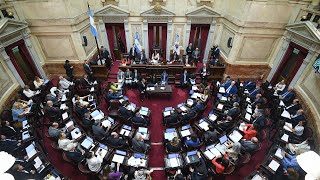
{"x":298,"y":130}
{"x":38,"y":84}
{"x":64,"y":84}
{"x":29,"y":93}
{"x":63,"y":143}
{"x":280,"y":87}
{"x":94,"y":163}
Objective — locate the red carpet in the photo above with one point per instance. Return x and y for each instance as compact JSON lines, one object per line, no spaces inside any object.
{"x":156,"y":156}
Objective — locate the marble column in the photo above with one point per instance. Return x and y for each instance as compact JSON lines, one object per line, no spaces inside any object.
{"x":279,"y":57}
{"x":169,"y":38}
{"x":209,"y":41}
{"x":187,"y":37}
{"x":146,"y":37}
{"x":311,"y":55}
{"x":7,"y":59}
{"x":126,"y":30}
{"x":103,"y":35}
{"x":34,"y":55}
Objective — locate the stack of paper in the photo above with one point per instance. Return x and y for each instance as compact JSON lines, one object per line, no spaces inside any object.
{"x":63,"y":106}
{"x":247,"y":116}
{"x":31,"y":151}
{"x":223,"y":98}
{"x":185,"y":133}
{"x":106,"y":123}
{"x":242,"y":127}
{"x":222,"y":90}
{"x":248,"y":100}
{"x":287,"y":126}
{"x":189,"y":102}
{"x":279,"y":153}
{"x":286,"y":114}
{"x":96,"y":115}
{"x":118,"y":158}
{"x":220,"y":106}
{"x":249,"y":110}
{"x":235,"y":136}
{"x":166,"y":113}
{"x":274,"y":165}
{"x":204,"y":125}
{"x":285,"y":137}
{"x":212,"y":117}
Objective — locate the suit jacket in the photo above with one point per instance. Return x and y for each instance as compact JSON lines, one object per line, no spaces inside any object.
{"x":164,"y":78}
{"x":297,"y":119}
{"x":8,"y":131}
{"x":248,"y":146}
{"x":173,"y":149}
{"x":233,"y":90}
{"x":254,"y":92}
{"x":188,"y":116}
{"x":81,"y":110}
{"x":288,"y":96}
{"x":99,"y":132}
{"x":292,"y":109}
{"x":250,"y":85}
{"x":136,"y":119}
{"x":132,"y":53}
{"x":183,"y":78}
{"x":143,"y":58}
{"x":68,"y":69}
{"x":136,"y":76}
{"x":189,"y":51}
{"x":116,"y":141}
{"x":75,"y":156}
{"x":139,"y":146}
{"x":201,"y":72}
{"x":105,"y":54}
{"x":8,"y":145}
{"x":196,"y":55}
{"x":141,"y":86}
{"x":125,"y":112}
{"x":53,"y":111}
{"x":53,"y":132}
{"x":260,"y":121}
{"x":173,"y":118}
{"x":233,"y":112}
{"x":198,"y":107}
{"x":87,"y":69}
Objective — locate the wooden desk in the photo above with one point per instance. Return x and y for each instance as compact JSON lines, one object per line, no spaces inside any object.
{"x":216,"y":72}
{"x":100,"y":71}
{"x":171,"y":69}
{"x":167,"y":91}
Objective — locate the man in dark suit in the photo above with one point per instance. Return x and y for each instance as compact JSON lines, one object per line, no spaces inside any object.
{"x":294,"y":107}
{"x":172,"y":118}
{"x":85,"y":82}
{"x":259,"y":120}
{"x":188,"y":116}
{"x":52,"y":111}
{"x":9,"y":145}
{"x":204,"y":73}
{"x":196,"y":56}
{"x":69,"y":69}
{"x":296,"y":118}
{"x":132,"y":53}
{"x":80,"y":110}
{"x":98,"y":131}
{"x":184,"y":81}
{"x":138,"y":144}
{"x":234,"y":111}
{"x":287,"y":96}
{"x":198,"y":107}
{"x":124,"y":112}
{"x":199,"y":171}
{"x":142,"y":88}
{"x":138,"y":118}
{"x":231,"y":89}
{"x":258,"y":100}
{"x":104,"y":53}
{"x":7,"y":130}
{"x":87,"y":69}
{"x":253,"y":93}
{"x":143,"y":58}
{"x":128,"y":77}
{"x":20,"y":172}
{"x":249,"y":146}
{"x":116,"y":141}
{"x":135,"y":77}
{"x":249,"y":85}
{"x":74,"y":154}
{"x":189,"y":50}
{"x":164,"y":78}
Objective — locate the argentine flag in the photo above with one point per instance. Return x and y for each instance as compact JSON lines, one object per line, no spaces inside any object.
{"x":92,"y":26}
{"x":137,"y":44}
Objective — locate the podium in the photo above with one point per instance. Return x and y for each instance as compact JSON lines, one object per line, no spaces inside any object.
{"x":100,"y":71}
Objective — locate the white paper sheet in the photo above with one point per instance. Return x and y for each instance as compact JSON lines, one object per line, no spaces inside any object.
{"x":185,"y":133}
{"x":242,"y":127}
{"x":118,"y":158}
{"x":215,"y":152}
{"x":222,"y":90}
{"x":169,"y":136}
{"x":213,"y":117}
{"x":287,"y":126}
{"x":106,"y":123}
{"x":204,"y":125}
{"x":76,"y":133}
{"x":249,"y":110}
{"x":247,"y":116}
{"x":86,"y":143}
{"x":248,"y":100}
{"x":65,"y":115}
{"x":281,"y":103}
{"x":279,"y":153}
{"x":220,"y":106}
{"x":184,"y":109}
{"x":103,"y":152}
{"x":235,"y":136}
{"x":285,"y":114}
{"x":166,"y":113}
{"x":63,"y":106}
{"x":174,"y":162}
{"x":124,"y":132}
{"x":285,"y":137}
{"x":223,"y":98}
{"x":274,"y":165}
{"x":209,"y":154}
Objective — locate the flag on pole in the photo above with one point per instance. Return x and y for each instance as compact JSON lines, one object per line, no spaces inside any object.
{"x":92,"y":26}
{"x":137,"y":44}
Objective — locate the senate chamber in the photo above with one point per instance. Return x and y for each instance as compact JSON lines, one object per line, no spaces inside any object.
{"x":160,"y":89}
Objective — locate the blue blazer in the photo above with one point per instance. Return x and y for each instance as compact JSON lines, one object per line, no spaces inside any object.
{"x":254,"y":92}
{"x":249,"y":85}
{"x":289,"y":97}
{"x":187,"y":78}
{"x":192,"y":143}
{"x":233,"y":90}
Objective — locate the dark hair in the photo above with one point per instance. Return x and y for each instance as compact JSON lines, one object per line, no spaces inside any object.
{"x":225,"y":162}
{"x":88,"y":155}
{"x":194,"y":137}
{"x":67,"y":61}
{"x":179,"y":177}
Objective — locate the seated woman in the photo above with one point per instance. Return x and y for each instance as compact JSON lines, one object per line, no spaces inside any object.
{"x":155,"y":57}
{"x":298,"y":148}
{"x":38,"y":82}
{"x":233,"y":151}
{"x":94,"y":162}
{"x":111,"y":172}
{"x":250,"y":132}
{"x":220,"y":163}
{"x":279,"y":87}
{"x":193,"y":141}
{"x":174,"y":145}
{"x":64,"y":141}
{"x":80,"y":99}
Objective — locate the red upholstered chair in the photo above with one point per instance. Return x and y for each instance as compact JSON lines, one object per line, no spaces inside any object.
{"x":113,"y":108}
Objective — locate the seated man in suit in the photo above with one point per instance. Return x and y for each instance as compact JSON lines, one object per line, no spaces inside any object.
{"x":143,"y":58}
{"x":124,"y":112}
{"x":258,"y":100}
{"x":74,"y":153}
{"x":128,"y":77}
{"x":186,"y":60}
{"x":249,"y":145}
{"x":184,"y":81}
{"x":234,"y":111}
{"x":234,"y":98}
{"x":186,"y":117}
{"x":164,"y":78}
{"x":231,"y":89}
{"x":193,"y":141}
{"x":294,"y":107}
{"x":86,"y":120}
{"x":120,"y":78}
{"x":138,"y":144}
{"x":52,"y":111}
{"x":8,"y":145}
{"x":253,"y":93}
{"x":172,"y":118}
{"x":20,"y":172}
{"x":287,"y":96}
{"x":80,"y":110}
{"x":85,"y":82}
{"x":138,"y":118}
{"x":54,"y":130}
{"x":296,"y":118}
{"x":249,"y":85}
{"x":259,"y":120}
{"x":225,"y":123}
{"x":98,"y":131}
{"x":198,"y":107}
{"x":135,"y":77}
{"x":199,"y":171}
{"x":116,"y":141}
{"x":8,"y":130}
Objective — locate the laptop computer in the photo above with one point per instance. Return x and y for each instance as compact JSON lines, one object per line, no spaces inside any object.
{"x":223,"y":139}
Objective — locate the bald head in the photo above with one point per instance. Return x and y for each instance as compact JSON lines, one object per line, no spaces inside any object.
{"x":49,"y":103}
{"x":254,"y":139}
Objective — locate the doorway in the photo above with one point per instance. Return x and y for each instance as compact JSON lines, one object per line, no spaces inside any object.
{"x":199,"y":36}
{"x":290,"y":64}
{"x":157,"y":34}
{"x":22,"y":61}
{"x":117,"y":39}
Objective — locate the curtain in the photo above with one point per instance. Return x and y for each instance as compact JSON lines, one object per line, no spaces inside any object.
{"x":192,"y":34}
{"x":123,"y":37}
{"x":150,"y":35}
{"x":282,"y":64}
{"x":204,"y":37}
{"x":164,"y":40}
{"x":300,"y":59}
{"x":110,"y":38}
{"x":26,"y":53}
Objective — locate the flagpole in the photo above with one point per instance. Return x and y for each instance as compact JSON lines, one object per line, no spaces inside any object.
{"x":95,"y":37}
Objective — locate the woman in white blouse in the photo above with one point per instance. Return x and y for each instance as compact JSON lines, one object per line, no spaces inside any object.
{"x":28,"y":92}
{"x":94,"y":162}
{"x":80,"y":99}
{"x":64,"y":141}
{"x":280,"y":86}
{"x":38,"y":82}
